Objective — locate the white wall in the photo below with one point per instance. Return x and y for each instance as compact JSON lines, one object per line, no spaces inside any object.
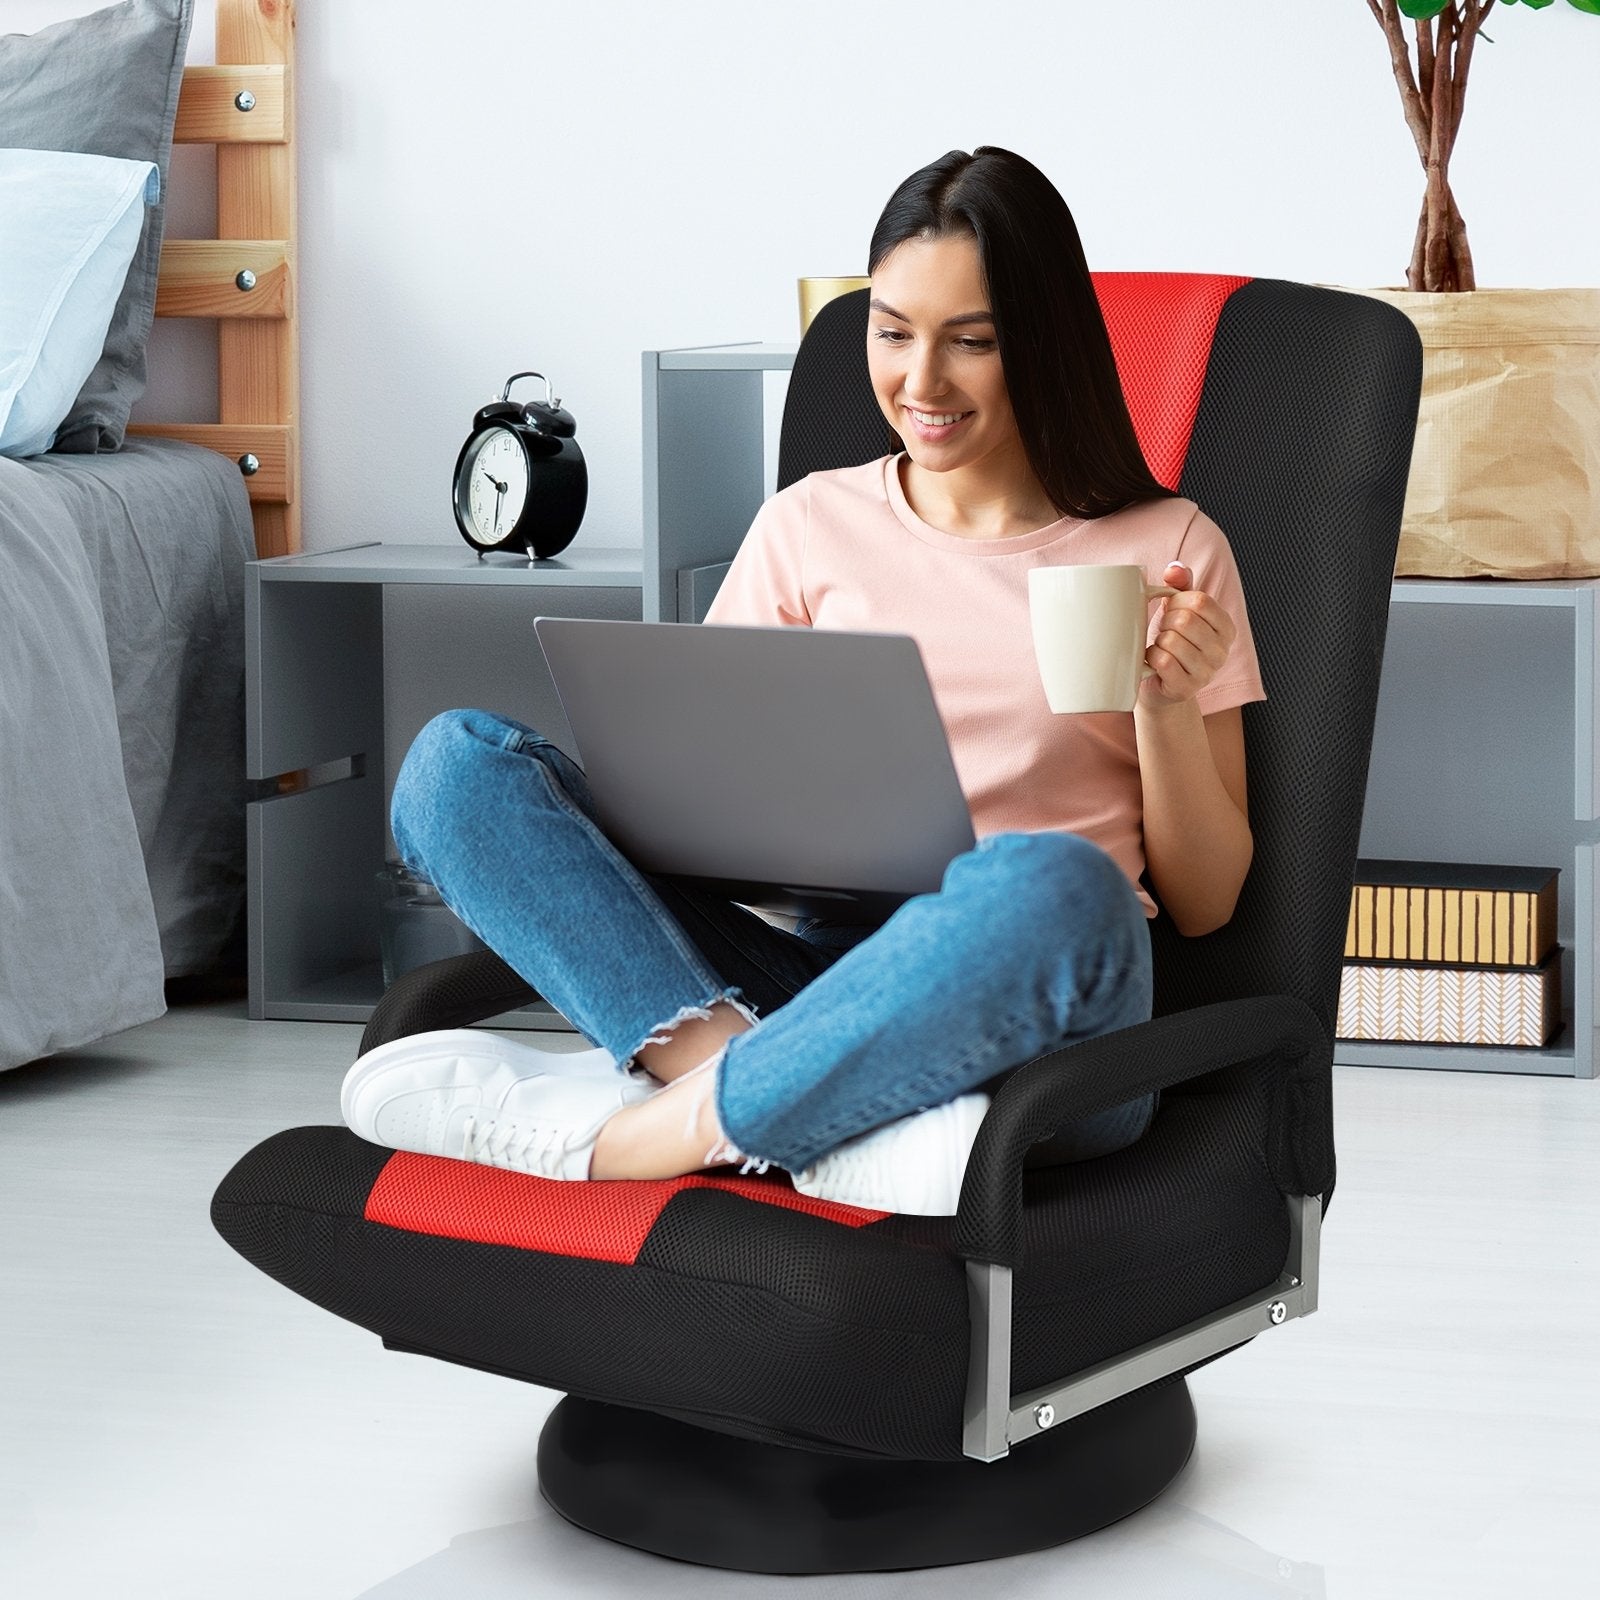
{"x":500,"y":184}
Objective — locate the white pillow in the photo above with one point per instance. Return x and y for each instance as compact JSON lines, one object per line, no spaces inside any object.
{"x":69,"y":225}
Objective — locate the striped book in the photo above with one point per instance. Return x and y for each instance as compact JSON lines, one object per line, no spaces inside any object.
{"x":1452,"y":914}
{"x":1451,"y":1005}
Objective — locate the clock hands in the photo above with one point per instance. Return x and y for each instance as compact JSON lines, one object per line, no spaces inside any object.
{"x":499,"y":496}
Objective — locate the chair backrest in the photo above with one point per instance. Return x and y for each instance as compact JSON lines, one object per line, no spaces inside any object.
{"x":1285,"y":412}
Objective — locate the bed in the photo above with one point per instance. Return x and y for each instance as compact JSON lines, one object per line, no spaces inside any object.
{"x":122,"y":789}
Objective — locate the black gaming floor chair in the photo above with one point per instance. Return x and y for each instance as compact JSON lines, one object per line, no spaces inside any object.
{"x":854,"y":1391}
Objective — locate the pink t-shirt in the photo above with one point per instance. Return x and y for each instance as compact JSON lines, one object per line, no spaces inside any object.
{"x":845,"y":550}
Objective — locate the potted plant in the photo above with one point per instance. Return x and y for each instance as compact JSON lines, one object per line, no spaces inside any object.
{"x":1505,"y":478}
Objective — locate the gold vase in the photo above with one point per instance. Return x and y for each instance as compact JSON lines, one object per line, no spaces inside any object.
{"x":815,"y":293}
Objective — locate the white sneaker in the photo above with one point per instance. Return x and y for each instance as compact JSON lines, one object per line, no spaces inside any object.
{"x":481,"y":1097}
{"x":914,"y":1164}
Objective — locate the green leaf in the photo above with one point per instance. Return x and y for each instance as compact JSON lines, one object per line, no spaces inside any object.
{"x":1421,"y":10}
{"x":1591,"y":6}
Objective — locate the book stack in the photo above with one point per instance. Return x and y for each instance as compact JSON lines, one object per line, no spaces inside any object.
{"x":1447,"y":953}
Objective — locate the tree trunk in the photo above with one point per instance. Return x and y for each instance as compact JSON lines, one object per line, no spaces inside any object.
{"x":1432,"y":98}
{"x":1451,"y":250}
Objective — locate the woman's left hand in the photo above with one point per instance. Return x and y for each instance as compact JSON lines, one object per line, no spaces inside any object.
{"x":1195,"y":637}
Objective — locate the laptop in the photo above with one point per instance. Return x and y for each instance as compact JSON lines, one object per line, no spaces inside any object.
{"x":799,"y":770}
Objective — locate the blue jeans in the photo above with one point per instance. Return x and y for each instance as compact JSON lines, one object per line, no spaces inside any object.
{"x":1033,"y":940}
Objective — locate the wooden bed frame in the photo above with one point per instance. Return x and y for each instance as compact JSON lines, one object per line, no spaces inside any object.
{"x":245,"y":277}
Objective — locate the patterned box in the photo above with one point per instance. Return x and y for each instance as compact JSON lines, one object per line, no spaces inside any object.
{"x":1451,"y":1005}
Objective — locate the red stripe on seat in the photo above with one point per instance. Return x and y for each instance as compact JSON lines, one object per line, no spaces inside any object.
{"x":1175,"y":315}
{"x":600,"y":1221}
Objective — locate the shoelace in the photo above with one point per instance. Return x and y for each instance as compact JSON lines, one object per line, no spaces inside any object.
{"x":721,"y":1154}
{"x":491,"y":1144}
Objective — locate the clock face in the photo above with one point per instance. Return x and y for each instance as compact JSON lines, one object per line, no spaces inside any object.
{"x":495,"y":486}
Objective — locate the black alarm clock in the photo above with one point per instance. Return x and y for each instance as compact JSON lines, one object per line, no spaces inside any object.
{"x":520,"y":482}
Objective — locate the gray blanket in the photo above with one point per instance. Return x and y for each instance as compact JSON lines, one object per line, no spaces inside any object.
{"x":121,"y":734}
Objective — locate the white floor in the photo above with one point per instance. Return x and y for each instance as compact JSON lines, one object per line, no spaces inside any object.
{"x":173,"y":1424}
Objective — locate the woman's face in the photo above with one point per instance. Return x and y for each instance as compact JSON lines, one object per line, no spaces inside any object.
{"x":932,"y":355}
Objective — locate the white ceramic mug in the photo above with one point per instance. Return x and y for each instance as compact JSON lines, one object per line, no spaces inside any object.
{"x":1089,"y":629}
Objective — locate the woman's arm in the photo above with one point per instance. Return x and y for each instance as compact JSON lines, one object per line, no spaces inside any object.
{"x":1197,"y":840}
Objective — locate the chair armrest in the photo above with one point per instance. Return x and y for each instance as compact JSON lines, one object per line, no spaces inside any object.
{"x":453,"y":993}
{"x":1273,"y":1034}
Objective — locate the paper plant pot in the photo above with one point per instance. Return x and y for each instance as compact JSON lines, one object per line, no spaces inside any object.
{"x":1505,"y":477}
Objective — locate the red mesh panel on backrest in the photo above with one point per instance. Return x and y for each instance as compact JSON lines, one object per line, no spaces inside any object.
{"x":598,"y":1221}
{"x":1161,"y":326}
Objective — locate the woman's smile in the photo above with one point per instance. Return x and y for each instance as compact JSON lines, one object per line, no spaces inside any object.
{"x":933,"y":426}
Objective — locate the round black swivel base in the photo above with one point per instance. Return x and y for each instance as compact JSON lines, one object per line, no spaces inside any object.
{"x":676,"y":1490}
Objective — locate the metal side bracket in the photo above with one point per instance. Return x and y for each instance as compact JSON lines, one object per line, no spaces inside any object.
{"x":994,"y":1419}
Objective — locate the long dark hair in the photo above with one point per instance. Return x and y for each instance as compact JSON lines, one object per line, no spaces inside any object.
{"x":1060,"y":373}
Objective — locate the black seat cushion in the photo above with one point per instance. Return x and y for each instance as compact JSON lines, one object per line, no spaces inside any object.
{"x":739,"y":1305}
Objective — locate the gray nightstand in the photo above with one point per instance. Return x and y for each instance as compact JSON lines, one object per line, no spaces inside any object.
{"x":348,"y":653}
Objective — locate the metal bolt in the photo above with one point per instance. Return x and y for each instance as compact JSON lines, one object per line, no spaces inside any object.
{"x":245,"y":279}
{"x":244,"y":100}
{"x":1278,"y":1311}
{"x":1044,"y":1415}
{"x":249,"y":465}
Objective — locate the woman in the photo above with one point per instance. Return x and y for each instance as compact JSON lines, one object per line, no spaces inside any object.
{"x":856,"y":1057}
